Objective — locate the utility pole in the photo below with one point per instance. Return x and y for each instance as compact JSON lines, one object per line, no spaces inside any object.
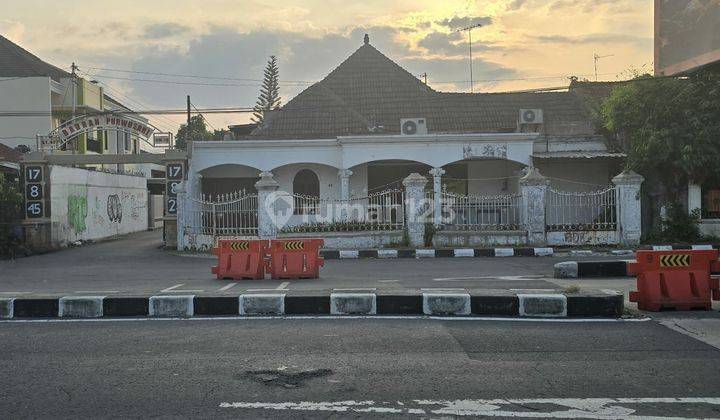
{"x":189,"y":136}
{"x":469,"y":31}
{"x":424,"y":76}
{"x":596,"y":58}
{"x":73,"y":80}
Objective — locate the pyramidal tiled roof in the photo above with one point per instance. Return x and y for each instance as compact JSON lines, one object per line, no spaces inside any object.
{"x":18,"y":62}
{"x":369,"y":93}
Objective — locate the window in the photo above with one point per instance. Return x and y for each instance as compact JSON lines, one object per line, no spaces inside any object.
{"x":128,"y":143}
{"x":307,"y":185}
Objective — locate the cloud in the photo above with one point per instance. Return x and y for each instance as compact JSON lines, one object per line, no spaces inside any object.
{"x":164,"y":30}
{"x":458,"y":22}
{"x":443,"y":43}
{"x":596,"y":38}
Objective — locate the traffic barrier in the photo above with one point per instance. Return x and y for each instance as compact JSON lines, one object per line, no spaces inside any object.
{"x":80,"y":307}
{"x":677,"y":280}
{"x":240,"y":259}
{"x":295,"y":258}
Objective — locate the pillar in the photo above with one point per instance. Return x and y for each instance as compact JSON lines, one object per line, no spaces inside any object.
{"x":694,"y":197}
{"x":628,"y":209}
{"x":267,"y":196}
{"x":533,"y":188}
{"x":414,"y":208}
{"x":437,"y":174}
{"x":344,"y":175}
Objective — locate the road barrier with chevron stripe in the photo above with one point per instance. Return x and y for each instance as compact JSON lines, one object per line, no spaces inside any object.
{"x":295,"y":258}
{"x":677,"y":280}
{"x":240,"y":259}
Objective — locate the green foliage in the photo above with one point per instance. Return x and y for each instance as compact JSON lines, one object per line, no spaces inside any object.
{"x":269,"y":98}
{"x":196,"y":131}
{"x":669,"y":128}
{"x":10,"y":204}
{"x":336,"y":227}
{"x":680,"y":227}
{"x":429,"y":234}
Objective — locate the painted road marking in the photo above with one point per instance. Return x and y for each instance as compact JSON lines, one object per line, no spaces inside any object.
{"x":15,"y":293}
{"x":97,"y":291}
{"x":283,"y":285}
{"x":529,"y":277}
{"x":352,"y":289}
{"x":174,"y":289}
{"x":533,"y":290}
{"x":389,"y":281}
{"x":228,"y":287}
{"x":588,"y":408}
{"x":441,"y":288}
{"x":261,"y":290}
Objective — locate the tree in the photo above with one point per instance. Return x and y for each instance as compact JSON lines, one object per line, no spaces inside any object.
{"x":196,"y":131}
{"x":269,"y":98}
{"x":10,"y":213}
{"x":669,"y":128}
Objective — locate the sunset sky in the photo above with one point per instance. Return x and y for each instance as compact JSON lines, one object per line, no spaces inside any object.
{"x":523,"y":44}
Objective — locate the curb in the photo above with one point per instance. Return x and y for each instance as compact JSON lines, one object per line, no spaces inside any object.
{"x":590,"y":304}
{"x":334,"y":254}
{"x":585,"y":269}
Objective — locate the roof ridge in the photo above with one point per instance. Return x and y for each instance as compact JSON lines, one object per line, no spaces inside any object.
{"x":30,"y":61}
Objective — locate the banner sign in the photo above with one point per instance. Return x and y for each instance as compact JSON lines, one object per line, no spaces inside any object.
{"x":107,"y":122}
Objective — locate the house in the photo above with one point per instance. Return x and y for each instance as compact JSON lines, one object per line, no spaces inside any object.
{"x":358,"y":134}
{"x":357,"y":110}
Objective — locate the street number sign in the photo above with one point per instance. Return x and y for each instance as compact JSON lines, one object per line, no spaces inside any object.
{"x":33,"y":192}
{"x":171,"y":205}
{"x":174,"y":171}
{"x":33,"y":174}
{"x":34,"y":209}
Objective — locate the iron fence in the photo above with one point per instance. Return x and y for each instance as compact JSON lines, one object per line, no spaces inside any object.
{"x":234,"y":214}
{"x":581,"y":211}
{"x":480,"y":213}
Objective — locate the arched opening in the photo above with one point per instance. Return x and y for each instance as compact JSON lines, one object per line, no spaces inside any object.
{"x":228,"y":179}
{"x":306,"y":182}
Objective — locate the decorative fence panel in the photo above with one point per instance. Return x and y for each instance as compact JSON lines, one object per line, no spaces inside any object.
{"x":233,"y":214}
{"x":380,"y":211}
{"x":581,"y":211}
{"x":478,"y":213}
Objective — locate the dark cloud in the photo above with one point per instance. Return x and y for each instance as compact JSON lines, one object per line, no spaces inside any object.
{"x":458,"y":22}
{"x":516,"y":4}
{"x":164,"y":30}
{"x":443,"y":43}
{"x":453,"y":74}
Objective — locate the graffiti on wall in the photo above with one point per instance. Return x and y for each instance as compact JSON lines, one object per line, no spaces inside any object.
{"x":114,"y":208}
{"x":77,"y":211}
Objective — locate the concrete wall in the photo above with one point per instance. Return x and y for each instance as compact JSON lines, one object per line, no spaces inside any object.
{"x":26,"y":94}
{"x":93,"y":205}
{"x":484,"y":174}
{"x":156,"y":211}
{"x":579,"y":175}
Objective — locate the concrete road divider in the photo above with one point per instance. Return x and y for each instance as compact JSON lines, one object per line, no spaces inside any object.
{"x":387,"y":253}
{"x":81,"y":307}
{"x":349,"y":254}
{"x":353,"y":304}
{"x":262,"y":304}
{"x":6,"y":308}
{"x":575,"y":269}
{"x":543,"y":252}
{"x":504,"y":252}
{"x":172,"y":306}
{"x":425,"y":253}
{"x":446,"y":304}
{"x":464,"y":253}
{"x":542,"y":305}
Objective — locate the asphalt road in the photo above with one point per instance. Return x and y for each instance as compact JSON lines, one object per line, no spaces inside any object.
{"x":354,"y":368}
{"x":136,"y":264}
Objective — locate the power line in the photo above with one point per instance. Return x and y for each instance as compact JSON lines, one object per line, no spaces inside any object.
{"x":197,"y":76}
{"x":203,"y":117}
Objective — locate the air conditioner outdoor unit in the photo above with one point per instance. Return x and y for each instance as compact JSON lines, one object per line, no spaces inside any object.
{"x":413,"y":126}
{"x":531,"y":116}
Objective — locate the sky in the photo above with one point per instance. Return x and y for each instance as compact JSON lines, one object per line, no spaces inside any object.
{"x":522,"y":44}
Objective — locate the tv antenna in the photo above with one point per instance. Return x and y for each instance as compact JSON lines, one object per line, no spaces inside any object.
{"x":469,"y":31}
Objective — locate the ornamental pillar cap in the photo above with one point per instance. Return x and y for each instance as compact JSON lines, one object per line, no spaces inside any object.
{"x":533,"y":177}
{"x":628,"y":178}
{"x":435,"y":172}
{"x":267,"y":182}
{"x":415,"y":180}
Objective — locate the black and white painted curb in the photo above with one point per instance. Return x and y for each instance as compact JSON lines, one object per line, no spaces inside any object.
{"x":330,"y":254}
{"x":582,"y":269}
{"x":452,"y":303}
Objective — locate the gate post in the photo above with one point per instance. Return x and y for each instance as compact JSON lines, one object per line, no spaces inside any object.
{"x":437,"y":174}
{"x":533,"y":188}
{"x":176,"y":164}
{"x":35,"y":184}
{"x":414,"y":207}
{"x":628,"y":208}
{"x":267,"y":188}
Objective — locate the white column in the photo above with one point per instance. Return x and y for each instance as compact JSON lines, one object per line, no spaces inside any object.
{"x":694,"y":197}
{"x":414,"y":206}
{"x":437,"y":174}
{"x":628,"y":207}
{"x":345,"y":175}
{"x":533,"y":188}
{"x":266,"y":188}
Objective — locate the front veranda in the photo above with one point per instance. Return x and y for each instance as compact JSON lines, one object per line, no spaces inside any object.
{"x":475,"y":191}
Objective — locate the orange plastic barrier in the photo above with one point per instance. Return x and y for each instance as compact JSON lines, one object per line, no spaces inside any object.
{"x":296,"y":258}
{"x":677,"y":280}
{"x":240,"y":259}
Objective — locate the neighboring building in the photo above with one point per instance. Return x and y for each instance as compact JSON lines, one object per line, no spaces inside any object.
{"x":42,"y":97}
{"x":9,"y":161}
{"x":352,"y":120}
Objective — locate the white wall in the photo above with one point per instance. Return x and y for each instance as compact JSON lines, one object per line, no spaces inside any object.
{"x":484,"y":177}
{"x":327,"y":175}
{"x":26,"y":94}
{"x":82,"y":203}
{"x":579,"y":175}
